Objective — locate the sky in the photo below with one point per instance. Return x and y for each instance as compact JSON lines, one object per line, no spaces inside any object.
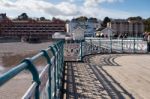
{"x":68,"y":9}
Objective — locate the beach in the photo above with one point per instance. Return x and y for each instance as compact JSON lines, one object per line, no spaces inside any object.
{"x":12,"y":54}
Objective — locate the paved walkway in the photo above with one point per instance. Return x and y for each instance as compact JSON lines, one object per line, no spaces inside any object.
{"x":108,"y":77}
{"x":82,"y":83}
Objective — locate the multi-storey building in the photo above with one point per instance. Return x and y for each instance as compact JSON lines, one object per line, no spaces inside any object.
{"x":89,"y":26}
{"x":126,"y":27}
{"x":30,"y":28}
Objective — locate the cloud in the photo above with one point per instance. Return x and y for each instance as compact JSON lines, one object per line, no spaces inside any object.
{"x":69,"y":0}
{"x":89,"y":3}
{"x":64,"y":9}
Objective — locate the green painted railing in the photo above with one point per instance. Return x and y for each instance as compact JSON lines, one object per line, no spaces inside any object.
{"x":97,"y":45}
{"x":50,"y":77}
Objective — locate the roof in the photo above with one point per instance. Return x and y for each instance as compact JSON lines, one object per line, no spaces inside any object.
{"x":107,"y":28}
{"x":79,"y":28}
{"x":99,"y":29}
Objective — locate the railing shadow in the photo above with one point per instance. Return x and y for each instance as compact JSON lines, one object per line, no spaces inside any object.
{"x":113,"y":87}
{"x":80,"y":83}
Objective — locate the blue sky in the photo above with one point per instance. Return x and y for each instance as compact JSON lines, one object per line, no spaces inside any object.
{"x":139,"y":7}
{"x":68,"y":9}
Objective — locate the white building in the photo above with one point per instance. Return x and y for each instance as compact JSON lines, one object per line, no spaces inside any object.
{"x":89,"y":26}
{"x":59,"y":35}
{"x":107,"y":32}
{"x":78,"y":33}
{"x":122,"y":27}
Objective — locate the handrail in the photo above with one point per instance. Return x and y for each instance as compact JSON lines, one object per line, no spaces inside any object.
{"x":11,"y":73}
{"x":53,"y":69}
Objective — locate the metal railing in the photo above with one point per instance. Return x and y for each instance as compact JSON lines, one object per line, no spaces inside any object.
{"x":132,"y":45}
{"x":76,"y":50}
{"x":48,"y":82}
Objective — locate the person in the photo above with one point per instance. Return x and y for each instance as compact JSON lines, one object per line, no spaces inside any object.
{"x":148,"y":37}
{"x":148,"y":42}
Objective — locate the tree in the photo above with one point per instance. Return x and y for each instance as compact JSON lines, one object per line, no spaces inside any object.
{"x":105,"y":21}
{"x":82,"y":18}
{"x":23,"y":16}
{"x":42,"y":18}
{"x":138,"y":18}
{"x":147,"y":25}
{"x":93,"y":19}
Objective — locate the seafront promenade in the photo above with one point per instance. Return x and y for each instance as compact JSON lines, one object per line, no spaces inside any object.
{"x":103,"y":76}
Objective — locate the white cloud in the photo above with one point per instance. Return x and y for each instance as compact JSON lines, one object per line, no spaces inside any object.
{"x":64,"y":9}
{"x":69,"y":0}
{"x":97,"y":2}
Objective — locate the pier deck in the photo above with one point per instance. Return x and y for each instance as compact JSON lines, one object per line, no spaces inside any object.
{"x":118,"y":76}
{"x":115,"y":76}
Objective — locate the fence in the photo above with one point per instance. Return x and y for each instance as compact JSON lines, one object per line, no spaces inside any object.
{"x":134,"y":45}
{"x":77,"y":49}
{"x":47,"y":84}
{"x":72,"y":50}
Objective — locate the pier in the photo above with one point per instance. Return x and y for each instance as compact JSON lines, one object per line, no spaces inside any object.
{"x":87,"y":69}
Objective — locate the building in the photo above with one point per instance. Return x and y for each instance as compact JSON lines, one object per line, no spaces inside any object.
{"x":89,"y":26}
{"x":106,"y":33}
{"x":126,"y":27}
{"x":60,"y":35}
{"x":30,"y":28}
{"x":78,"y":33}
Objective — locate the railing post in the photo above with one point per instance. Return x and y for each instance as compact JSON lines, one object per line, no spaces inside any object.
{"x":122,"y":45}
{"x":58,"y":64}
{"x":59,"y":48}
{"x":110,"y":45}
{"x":49,"y":72}
{"x":148,"y":46}
{"x":91,"y":49}
{"x":35,"y":75}
{"x":99,"y":45}
{"x":134,"y":46}
{"x":81,"y":50}
{"x":55,"y":64}
{"x":61,"y":58}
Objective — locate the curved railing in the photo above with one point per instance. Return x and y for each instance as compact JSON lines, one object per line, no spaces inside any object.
{"x":78,"y":49}
{"x":48,"y":82}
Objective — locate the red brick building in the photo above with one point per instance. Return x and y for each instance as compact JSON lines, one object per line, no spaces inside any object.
{"x":30,"y":28}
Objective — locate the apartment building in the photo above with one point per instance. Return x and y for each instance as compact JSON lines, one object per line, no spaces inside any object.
{"x":30,"y":28}
{"x":127,"y":27}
